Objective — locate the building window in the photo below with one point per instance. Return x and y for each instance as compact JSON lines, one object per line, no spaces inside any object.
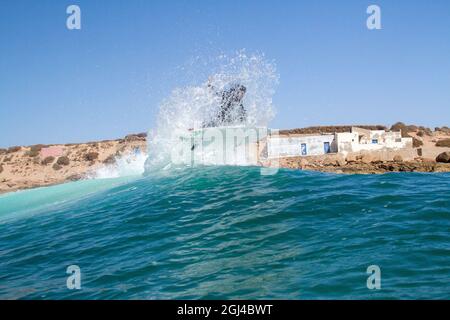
{"x":374,"y":141}
{"x":303,"y":149}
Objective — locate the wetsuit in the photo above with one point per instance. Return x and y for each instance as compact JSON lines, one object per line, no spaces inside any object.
{"x":232,"y":110}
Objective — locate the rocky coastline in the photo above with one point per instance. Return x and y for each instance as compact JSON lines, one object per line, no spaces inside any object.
{"x":430,"y":153}
{"x":43,"y":165}
{"x":363,"y":167}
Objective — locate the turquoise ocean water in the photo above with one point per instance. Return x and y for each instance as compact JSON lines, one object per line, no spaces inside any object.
{"x":229,"y":232}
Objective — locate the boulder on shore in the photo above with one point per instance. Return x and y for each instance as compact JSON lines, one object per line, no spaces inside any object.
{"x":75,"y":177}
{"x":350,"y":158}
{"x":367,"y":158}
{"x":341,"y":162}
{"x":303,"y":163}
{"x":444,"y":157}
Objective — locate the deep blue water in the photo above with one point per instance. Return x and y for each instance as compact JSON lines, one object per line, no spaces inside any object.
{"x":229,"y":232}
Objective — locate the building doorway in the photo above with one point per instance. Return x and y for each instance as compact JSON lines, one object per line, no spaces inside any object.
{"x":326,"y":147}
{"x":303,"y":149}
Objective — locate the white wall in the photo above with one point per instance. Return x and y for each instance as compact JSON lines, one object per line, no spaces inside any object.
{"x":290,"y":146}
{"x":345,"y":142}
{"x":349,"y":142}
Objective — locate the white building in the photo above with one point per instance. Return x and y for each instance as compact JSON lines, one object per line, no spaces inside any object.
{"x":360,"y":139}
{"x":357,"y":140}
{"x":300,"y":145}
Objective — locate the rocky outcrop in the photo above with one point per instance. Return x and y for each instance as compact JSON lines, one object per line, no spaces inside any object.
{"x":364,"y":166}
{"x":75,"y":177}
{"x":444,"y":143}
{"x":136,"y":137}
{"x":444,"y":157}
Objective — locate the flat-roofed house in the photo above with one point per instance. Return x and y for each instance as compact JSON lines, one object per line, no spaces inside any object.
{"x":360,"y":139}
{"x":357,"y":140}
{"x":300,"y":145}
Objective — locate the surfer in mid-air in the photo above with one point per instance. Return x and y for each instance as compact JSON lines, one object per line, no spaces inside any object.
{"x":231,"y":109}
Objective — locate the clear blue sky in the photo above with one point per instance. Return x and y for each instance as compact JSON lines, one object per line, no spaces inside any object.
{"x":107,"y":79}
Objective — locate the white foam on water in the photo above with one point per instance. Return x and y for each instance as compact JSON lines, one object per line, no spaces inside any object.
{"x":190,"y":107}
{"x":129,"y":164}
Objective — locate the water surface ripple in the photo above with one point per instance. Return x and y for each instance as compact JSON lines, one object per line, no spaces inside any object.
{"x":229,"y":232}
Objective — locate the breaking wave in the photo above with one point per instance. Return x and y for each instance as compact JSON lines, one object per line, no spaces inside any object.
{"x":190,"y":107}
{"x":130,"y":164}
